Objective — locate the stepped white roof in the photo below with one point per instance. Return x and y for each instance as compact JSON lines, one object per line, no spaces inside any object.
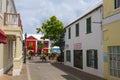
{"x":37,"y":36}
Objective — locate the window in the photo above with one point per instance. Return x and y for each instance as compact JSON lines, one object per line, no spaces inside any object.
{"x":0,"y":6}
{"x":68,"y":55}
{"x":69,"y":33}
{"x":30,"y":46}
{"x":88,"y":25}
{"x":77,"y":29}
{"x":114,"y":60}
{"x":31,"y":43}
{"x":117,"y":3}
{"x":92,"y":59}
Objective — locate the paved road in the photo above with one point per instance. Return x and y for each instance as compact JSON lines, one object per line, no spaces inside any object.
{"x":46,"y":71}
{"x":38,"y":70}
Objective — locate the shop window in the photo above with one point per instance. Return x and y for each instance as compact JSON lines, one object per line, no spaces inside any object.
{"x":92,"y":58}
{"x":117,"y":4}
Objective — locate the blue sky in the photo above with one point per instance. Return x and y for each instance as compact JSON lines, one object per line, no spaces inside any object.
{"x":35,"y":12}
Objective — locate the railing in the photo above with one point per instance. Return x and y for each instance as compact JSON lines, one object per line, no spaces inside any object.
{"x":11,"y":19}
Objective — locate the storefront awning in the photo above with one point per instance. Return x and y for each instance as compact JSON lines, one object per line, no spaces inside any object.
{"x":3,"y":38}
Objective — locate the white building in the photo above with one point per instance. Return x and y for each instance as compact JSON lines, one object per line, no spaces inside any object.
{"x":83,"y":42}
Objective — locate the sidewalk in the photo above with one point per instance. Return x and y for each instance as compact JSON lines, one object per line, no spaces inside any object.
{"x":72,"y":71}
{"x":22,"y":76}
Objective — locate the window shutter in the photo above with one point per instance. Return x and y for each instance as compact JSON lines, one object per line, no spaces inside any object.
{"x":115,"y":4}
{"x":69,"y":33}
{"x":77,"y":29}
{"x":96,"y":59}
{"x":70,"y":56}
{"x":88,"y":24}
{"x":87,"y":57}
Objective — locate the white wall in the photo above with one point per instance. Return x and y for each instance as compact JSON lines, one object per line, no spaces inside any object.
{"x":88,"y":41}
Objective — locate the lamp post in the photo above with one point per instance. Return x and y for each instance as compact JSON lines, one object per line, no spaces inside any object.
{"x":25,"y":48}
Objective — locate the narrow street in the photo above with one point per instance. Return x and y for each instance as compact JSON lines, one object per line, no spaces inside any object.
{"x":35,"y":69}
{"x":38,"y":70}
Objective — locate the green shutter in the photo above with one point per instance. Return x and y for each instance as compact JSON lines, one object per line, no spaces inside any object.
{"x":88,"y":25}
{"x":70,"y":56}
{"x":115,"y":4}
{"x":96,"y":59}
{"x":87,"y":57}
{"x":69,"y":33}
{"x":77,"y":29}
{"x":66,"y":55}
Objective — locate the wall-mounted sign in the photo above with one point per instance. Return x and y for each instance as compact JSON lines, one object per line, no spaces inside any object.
{"x":77,"y":45}
{"x":105,"y":57}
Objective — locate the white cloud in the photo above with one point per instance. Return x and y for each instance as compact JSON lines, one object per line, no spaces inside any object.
{"x":34,"y":12}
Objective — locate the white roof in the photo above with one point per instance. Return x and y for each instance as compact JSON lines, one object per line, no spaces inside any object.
{"x":92,"y":8}
{"x":37,"y":36}
{"x":56,"y":47}
{"x":87,"y":11}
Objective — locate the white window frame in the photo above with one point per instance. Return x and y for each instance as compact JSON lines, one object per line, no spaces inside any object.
{"x":114,"y":61}
{"x":92,"y":59}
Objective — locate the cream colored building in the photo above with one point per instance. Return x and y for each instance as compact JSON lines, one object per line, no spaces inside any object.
{"x":111,"y":42}
{"x":10,"y":23}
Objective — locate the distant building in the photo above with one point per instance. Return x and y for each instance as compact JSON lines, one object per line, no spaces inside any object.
{"x":56,"y":49}
{"x":32,"y":42}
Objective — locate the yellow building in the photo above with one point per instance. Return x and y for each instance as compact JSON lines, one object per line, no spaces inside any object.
{"x":111,"y":39}
{"x":10,"y":23}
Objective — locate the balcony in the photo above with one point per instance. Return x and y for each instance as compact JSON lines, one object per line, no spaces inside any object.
{"x":12,"y":23}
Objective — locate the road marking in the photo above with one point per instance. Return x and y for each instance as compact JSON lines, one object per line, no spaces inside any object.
{"x":28,"y":72}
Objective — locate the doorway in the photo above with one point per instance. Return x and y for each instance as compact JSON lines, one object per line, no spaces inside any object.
{"x":78,"y":59}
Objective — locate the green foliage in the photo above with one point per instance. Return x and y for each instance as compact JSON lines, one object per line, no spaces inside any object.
{"x":52,"y":29}
{"x":53,"y":55}
{"x":30,"y":47}
{"x":30,"y":55}
{"x":46,"y":53}
{"x":41,"y":45}
{"x":60,"y":58}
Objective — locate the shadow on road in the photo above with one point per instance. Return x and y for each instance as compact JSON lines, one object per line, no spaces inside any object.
{"x":69,"y":77}
{"x":79,"y":75}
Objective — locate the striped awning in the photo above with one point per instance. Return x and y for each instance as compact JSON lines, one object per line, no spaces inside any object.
{"x":3,"y":37}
